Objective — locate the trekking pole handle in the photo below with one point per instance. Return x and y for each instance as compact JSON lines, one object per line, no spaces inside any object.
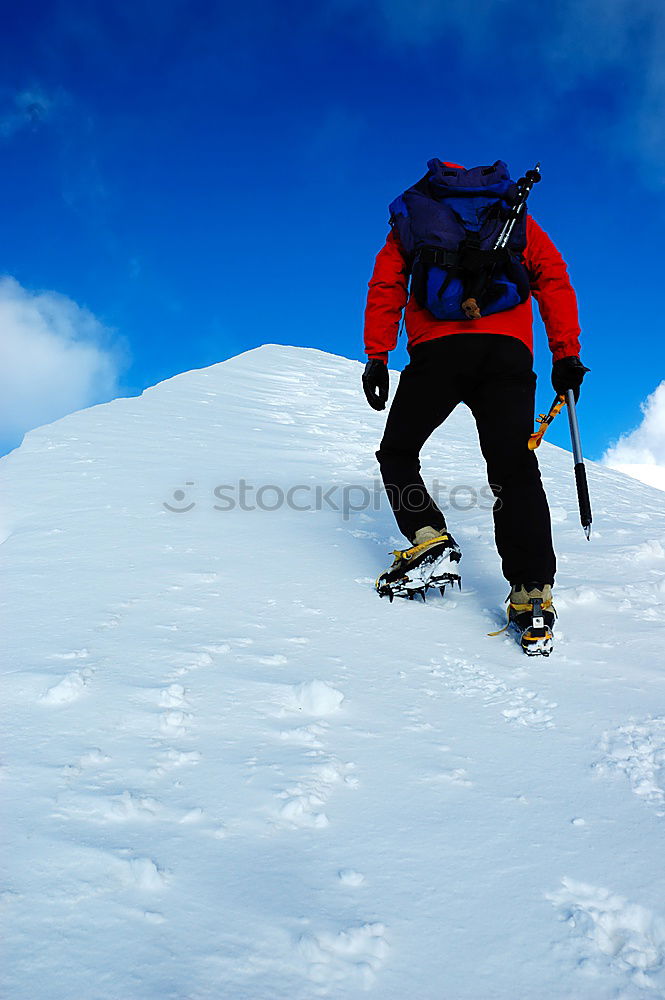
{"x":524,"y":186}
{"x":580,"y":469}
{"x":525,"y":183}
{"x":533,"y":176}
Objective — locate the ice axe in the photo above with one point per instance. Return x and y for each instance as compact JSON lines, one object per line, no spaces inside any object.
{"x":545,"y":420}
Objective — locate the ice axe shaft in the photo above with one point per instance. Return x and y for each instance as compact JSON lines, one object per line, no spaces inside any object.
{"x":545,"y":420}
{"x":580,"y":470}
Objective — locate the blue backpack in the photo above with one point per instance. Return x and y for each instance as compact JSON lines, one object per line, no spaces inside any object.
{"x":449,"y":225}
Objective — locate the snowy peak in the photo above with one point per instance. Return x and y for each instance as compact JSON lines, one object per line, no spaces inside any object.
{"x":234,"y":771}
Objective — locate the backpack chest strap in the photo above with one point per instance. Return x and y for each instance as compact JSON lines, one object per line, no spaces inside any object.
{"x":439,"y":256}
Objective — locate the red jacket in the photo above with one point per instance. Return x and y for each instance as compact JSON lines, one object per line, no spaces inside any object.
{"x":550,"y":284}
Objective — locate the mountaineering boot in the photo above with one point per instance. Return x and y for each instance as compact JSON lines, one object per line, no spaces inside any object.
{"x":531,"y":614}
{"x":430,"y":562}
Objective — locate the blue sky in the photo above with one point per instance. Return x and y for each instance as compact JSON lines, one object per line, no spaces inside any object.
{"x":191,"y":180}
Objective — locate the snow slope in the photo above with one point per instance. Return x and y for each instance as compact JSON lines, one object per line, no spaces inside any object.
{"x":233,"y":772}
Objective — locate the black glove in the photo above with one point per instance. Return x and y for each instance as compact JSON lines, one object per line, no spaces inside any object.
{"x":376,"y":383}
{"x":567,"y":373}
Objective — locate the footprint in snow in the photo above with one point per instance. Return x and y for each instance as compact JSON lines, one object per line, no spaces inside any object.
{"x":172,"y":697}
{"x":637,"y":750}
{"x":347,"y":876}
{"x":650,"y":552}
{"x":94,"y":758}
{"x":175,"y":724}
{"x":454,"y":776}
{"x":189,"y":662}
{"x":171,"y":759}
{"x":524,"y":707}
{"x":110,"y":623}
{"x":610,"y":932}
{"x":144,"y":874}
{"x":307,"y":610}
{"x":74,"y":654}
{"x":306,"y":736}
{"x":102,"y":809}
{"x":350,"y":957}
{"x":192,"y":816}
{"x":128,"y":807}
{"x":303,"y":803}
{"x":68,"y":689}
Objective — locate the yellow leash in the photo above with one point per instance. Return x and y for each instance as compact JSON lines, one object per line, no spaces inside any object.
{"x":519,"y":607}
{"x":545,"y":419}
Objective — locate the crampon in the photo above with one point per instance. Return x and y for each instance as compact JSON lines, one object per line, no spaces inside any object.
{"x":433,"y":564}
{"x":532,"y":625}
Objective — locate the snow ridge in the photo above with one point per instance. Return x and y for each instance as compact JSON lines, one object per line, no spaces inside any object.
{"x":233,"y":771}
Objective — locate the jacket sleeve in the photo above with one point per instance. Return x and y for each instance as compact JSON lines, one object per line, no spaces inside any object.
{"x":386,"y":298}
{"x":553,"y":291}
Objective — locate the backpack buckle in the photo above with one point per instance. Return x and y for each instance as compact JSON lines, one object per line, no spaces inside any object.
{"x":438,"y":256}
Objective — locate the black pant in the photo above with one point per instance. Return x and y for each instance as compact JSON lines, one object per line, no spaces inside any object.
{"x":493,"y":374}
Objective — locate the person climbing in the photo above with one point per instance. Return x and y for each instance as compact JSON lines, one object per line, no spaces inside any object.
{"x":466,"y":289}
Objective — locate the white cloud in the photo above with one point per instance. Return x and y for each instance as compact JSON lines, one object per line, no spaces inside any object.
{"x":55,"y":357}
{"x":641,"y":453}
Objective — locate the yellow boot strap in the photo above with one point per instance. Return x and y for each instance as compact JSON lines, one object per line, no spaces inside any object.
{"x":519,"y":607}
{"x":410,"y":553}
